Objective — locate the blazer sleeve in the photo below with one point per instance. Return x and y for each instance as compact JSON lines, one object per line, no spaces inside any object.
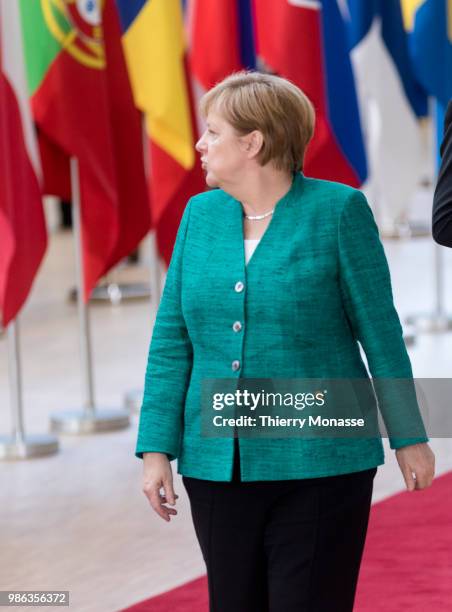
{"x":368,"y":302}
{"x":169,"y":364}
{"x":442,"y":200}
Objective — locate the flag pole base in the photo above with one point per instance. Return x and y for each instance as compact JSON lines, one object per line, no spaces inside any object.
{"x":406,"y":229}
{"x":133,"y":399}
{"x":80,"y":423}
{"x":30,"y":447}
{"x":116,"y":293}
{"x":430,"y":322}
{"x":409,"y":335}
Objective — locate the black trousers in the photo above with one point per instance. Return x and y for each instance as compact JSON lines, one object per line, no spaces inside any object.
{"x":282,"y":546}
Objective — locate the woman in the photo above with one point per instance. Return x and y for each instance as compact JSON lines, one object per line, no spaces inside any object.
{"x":281,"y":522}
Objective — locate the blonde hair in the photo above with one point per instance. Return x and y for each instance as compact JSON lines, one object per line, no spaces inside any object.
{"x":285,"y":116}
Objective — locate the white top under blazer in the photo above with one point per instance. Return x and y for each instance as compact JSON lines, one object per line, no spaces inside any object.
{"x":250,"y":246}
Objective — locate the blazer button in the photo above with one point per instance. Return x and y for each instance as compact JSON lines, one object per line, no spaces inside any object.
{"x":239,"y":286}
{"x":235,"y":365}
{"x":237,"y":326}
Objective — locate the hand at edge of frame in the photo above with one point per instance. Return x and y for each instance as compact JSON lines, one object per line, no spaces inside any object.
{"x":417,"y":464}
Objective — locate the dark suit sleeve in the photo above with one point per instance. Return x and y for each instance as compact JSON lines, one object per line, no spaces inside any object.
{"x":442,"y":201}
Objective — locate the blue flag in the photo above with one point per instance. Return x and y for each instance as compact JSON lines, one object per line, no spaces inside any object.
{"x":430,"y":38}
{"x":396,"y":41}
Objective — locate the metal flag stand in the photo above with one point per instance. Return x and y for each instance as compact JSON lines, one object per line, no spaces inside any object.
{"x":438,"y":321}
{"x":90,"y":419}
{"x":19,"y":445}
{"x":403,"y":228}
{"x":113,"y":292}
{"x":407,"y":229}
{"x":409,"y":332}
{"x":409,"y":335}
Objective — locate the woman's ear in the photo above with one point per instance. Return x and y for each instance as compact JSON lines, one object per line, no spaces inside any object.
{"x":252,"y":143}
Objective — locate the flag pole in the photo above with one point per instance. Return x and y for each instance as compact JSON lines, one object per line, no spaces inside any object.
{"x":89,"y":419}
{"x":19,"y":445}
{"x":439,"y":287}
{"x":82,"y":308}
{"x":409,"y":332}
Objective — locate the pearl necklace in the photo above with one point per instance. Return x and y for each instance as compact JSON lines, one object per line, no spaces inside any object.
{"x":257,"y":217}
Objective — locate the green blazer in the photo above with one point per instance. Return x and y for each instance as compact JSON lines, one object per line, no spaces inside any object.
{"x":317,"y":283}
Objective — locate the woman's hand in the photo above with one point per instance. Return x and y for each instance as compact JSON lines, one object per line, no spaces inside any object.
{"x":157,"y":473}
{"x":420,"y":459}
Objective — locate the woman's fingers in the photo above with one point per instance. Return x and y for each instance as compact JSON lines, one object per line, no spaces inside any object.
{"x":154,"y":499}
{"x":408,"y":477}
{"x":157,"y":502}
{"x":152,"y":492}
{"x":168,"y":490}
{"x":164,"y":500}
{"x":158,"y":475}
{"x":424,"y":478}
{"x":417,"y":463}
{"x":425,"y":469}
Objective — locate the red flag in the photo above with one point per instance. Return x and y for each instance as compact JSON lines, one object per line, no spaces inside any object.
{"x":292,"y":40}
{"x":127,"y":135}
{"x":82,"y":104}
{"x":23,"y":236}
{"x":215,"y":40}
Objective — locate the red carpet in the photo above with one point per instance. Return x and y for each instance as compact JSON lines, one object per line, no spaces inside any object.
{"x":190,"y":597}
{"x":407,"y":564}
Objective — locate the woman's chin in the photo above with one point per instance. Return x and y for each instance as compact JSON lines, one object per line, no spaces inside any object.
{"x":211,"y":180}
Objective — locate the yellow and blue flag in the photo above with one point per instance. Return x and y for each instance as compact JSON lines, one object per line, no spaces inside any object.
{"x":429,"y":23}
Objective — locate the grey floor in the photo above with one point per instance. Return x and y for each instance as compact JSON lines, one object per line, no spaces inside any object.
{"x":78,"y":520}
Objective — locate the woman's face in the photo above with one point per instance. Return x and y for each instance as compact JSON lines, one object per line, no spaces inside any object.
{"x":223,"y":151}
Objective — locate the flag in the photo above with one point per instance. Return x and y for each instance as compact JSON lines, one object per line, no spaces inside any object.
{"x":391,"y":103}
{"x":155,"y":50}
{"x":23,"y":236}
{"x":134,"y":210}
{"x":82,"y":105}
{"x":221,"y":39}
{"x":306,"y":42}
{"x":429,"y":27}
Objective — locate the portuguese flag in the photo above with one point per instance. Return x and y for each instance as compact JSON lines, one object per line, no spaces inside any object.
{"x":83,"y":107}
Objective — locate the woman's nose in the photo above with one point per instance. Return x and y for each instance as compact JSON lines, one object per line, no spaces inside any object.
{"x":200,"y":146}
